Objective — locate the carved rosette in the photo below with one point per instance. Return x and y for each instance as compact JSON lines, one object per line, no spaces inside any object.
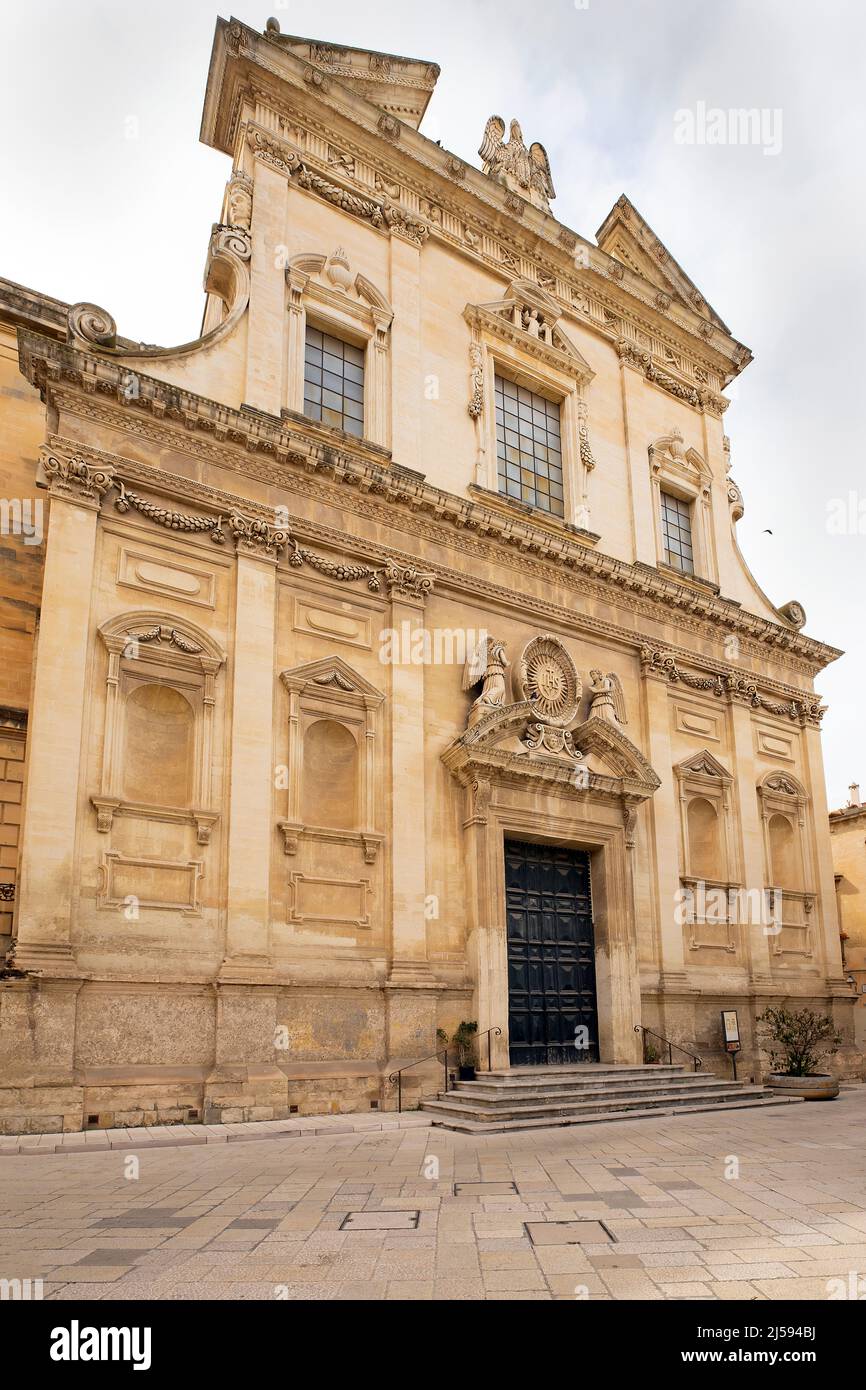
{"x":548,"y":681}
{"x":76,"y":479}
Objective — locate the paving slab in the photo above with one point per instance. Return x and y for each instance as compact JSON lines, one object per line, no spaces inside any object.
{"x":346,"y":1212}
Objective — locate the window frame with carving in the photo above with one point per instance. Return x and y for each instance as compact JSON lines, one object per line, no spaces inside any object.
{"x":330,"y":690}
{"x":684,"y":475}
{"x":542,"y":360}
{"x":701,"y":777}
{"x":323,"y":293}
{"x":158,"y":649}
{"x":780,"y":793}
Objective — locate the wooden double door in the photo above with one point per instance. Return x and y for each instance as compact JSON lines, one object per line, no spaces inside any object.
{"x":552,"y":1003}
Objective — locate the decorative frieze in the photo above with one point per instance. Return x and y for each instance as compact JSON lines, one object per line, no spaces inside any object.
{"x":172,"y":521}
{"x":384,"y":214}
{"x":46,"y":364}
{"x":743,"y":688}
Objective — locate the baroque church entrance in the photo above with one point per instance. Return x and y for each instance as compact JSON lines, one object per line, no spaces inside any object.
{"x":551,"y":956}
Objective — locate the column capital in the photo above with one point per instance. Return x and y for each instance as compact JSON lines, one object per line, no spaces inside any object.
{"x":258,"y":539}
{"x":74,"y":479}
{"x":404,"y":582}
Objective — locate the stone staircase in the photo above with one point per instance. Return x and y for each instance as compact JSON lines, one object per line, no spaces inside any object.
{"x":543,"y":1097}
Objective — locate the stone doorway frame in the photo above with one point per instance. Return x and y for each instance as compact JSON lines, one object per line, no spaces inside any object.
{"x":535,"y":798}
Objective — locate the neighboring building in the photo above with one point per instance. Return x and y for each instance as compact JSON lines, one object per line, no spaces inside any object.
{"x":848,"y":835}
{"x":397,"y":664}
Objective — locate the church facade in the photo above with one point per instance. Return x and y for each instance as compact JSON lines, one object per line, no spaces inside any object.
{"x":389,"y":660}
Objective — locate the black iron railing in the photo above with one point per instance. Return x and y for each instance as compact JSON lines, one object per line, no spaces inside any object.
{"x":648,"y":1033}
{"x":396,"y":1077}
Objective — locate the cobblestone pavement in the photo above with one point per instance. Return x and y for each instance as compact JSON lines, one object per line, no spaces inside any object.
{"x":752,"y":1205}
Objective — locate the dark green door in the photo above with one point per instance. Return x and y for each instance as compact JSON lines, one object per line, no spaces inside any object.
{"x":551,"y":955}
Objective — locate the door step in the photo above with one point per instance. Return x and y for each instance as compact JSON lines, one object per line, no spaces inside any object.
{"x":539,"y":1098}
{"x":468,"y":1126}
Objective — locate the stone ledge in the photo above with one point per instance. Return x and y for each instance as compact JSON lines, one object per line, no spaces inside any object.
{"x":182,"y":1136}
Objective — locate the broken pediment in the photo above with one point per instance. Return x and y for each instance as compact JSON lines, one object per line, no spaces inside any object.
{"x":595,"y":757}
{"x":400,"y":86}
{"x":530,"y":318}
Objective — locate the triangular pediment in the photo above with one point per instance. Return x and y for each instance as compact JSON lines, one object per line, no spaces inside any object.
{"x":331,"y":674}
{"x":629,"y":238}
{"x":703,"y":764}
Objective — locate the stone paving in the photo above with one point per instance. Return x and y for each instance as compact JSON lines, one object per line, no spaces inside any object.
{"x":752,"y":1205}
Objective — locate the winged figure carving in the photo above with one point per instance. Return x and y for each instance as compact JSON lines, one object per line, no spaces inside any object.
{"x":524,"y":171}
{"x":488,"y":664}
{"x":608,"y":699}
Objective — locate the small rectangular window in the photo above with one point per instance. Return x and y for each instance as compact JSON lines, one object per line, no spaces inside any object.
{"x":677,"y":533}
{"x":334,"y":382}
{"x":529,"y":447}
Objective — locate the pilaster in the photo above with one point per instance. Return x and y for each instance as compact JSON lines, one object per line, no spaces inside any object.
{"x":250,"y":836}
{"x":665,"y":821}
{"x":49,"y":833}
{"x":409,"y":966}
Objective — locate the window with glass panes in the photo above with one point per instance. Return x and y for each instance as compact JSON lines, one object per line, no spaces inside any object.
{"x":334,"y":382}
{"x":529,"y":447}
{"x":677,"y":533}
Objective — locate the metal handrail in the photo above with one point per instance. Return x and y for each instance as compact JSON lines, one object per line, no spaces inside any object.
{"x":397,"y":1076}
{"x":670,"y":1046}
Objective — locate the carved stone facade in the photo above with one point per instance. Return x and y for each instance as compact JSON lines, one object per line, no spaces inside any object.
{"x":308,"y":656}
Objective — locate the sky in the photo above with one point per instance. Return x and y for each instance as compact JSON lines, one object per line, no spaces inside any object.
{"x":110,"y":198}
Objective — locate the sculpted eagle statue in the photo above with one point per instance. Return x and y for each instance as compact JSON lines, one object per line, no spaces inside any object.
{"x":524,"y":171}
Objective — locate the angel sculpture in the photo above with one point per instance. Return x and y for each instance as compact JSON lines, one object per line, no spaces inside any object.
{"x":608,"y":701}
{"x":488,"y":663}
{"x":524,"y":171}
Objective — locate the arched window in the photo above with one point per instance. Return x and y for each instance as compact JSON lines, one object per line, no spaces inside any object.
{"x":159,"y":758}
{"x":784,"y":865}
{"x":705,"y":840}
{"x":330,"y":776}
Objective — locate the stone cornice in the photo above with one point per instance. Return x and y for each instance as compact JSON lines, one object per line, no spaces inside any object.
{"x":39,"y":311}
{"x":399,"y":574}
{"x":48,"y":365}
{"x":247,"y":68}
{"x":593,"y":296}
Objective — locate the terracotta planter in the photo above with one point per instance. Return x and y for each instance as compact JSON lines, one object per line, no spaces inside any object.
{"x":805,"y":1087}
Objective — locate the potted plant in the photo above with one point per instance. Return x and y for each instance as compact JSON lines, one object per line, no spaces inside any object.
{"x":464,"y":1042}
{"x":651,"y":1054}
{"x":797,"y":1043}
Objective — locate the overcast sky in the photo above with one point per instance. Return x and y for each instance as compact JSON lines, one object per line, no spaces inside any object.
{"x":110,"y":198}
